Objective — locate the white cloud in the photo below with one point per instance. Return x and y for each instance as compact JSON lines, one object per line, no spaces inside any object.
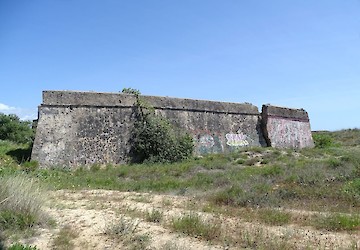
{"x":30,"y":117}
{"x":22,"y":113}
{"x":4,"y":107}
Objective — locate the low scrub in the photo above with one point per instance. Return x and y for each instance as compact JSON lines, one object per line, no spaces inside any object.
{"x":194,"y":225}
{"x":337,"y":222}
{"x":323,"y":140}
{"x":352,"y":190}
{"x":254,"y":192}
{"x":274,"y":217}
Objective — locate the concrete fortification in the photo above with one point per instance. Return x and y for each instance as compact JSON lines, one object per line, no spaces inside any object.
{"x":83,"y":128}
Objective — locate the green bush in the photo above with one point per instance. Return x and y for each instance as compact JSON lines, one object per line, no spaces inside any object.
{"x":155,"y":139}
{"x":12,"y":129}
{"x":322,"y":140}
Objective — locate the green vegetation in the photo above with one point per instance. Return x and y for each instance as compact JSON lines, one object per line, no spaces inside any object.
{"x":192,"y":224}
{"x":154,"y":138}
{"x":319,"y":178}
{"x":323,"y":140}
{"x":131,"y":91}
{"x":251,"y":183}
{"x":274,"y":217}
{"x":337,"y":222}
{"x":21,"y":200}
{"x":15,"y":130}
{"x":19,"y":246}
{"x":346,"y":137}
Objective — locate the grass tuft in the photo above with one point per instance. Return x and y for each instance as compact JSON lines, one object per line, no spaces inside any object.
{"x":192,"y":224}
{"x":154,"y":216}
{"x":21,"y":201}
{"x":123,"y":227}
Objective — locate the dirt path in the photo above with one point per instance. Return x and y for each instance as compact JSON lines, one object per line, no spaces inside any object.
{"x":102,"y":219}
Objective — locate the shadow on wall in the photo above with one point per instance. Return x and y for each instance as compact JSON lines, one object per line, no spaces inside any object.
{"x":260,"y":131}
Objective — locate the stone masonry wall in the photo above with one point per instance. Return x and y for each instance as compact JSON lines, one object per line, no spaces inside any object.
{"x":82,"y":128}
{"x":286,"y":128}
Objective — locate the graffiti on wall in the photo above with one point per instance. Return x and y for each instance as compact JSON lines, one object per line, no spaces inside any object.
{"x":207,"y":142}
{"x":214,"y":142}
{"x":285,"y":133}
{"x":236,"y":140}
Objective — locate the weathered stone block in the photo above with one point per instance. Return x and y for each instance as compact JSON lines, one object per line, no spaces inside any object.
{"x":286,"y":128}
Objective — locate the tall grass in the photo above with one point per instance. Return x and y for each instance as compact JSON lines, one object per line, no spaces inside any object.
{"x":21,"y":201}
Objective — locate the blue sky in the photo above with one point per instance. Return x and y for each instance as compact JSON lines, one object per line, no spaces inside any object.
{"x":301,"y":54}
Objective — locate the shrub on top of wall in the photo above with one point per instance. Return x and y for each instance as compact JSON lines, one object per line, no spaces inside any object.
{"x":154,"y":138}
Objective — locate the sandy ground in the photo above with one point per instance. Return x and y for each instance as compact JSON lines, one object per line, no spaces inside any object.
{"x":91,"y":218}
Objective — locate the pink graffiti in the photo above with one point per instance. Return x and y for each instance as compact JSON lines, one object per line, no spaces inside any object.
{"x":285,"y":133}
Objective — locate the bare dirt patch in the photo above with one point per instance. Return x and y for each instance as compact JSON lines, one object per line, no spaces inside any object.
{"x":103,"y":219}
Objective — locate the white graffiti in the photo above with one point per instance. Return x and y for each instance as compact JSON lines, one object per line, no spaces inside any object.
{"x":236,"y":140}
{"x":207,"y":141}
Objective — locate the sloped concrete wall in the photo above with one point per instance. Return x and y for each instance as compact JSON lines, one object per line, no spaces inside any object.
{"x":82,"y":128}
{"x":286,"y":128}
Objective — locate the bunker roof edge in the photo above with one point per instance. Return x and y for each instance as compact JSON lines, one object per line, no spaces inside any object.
{"x":111,"y":99}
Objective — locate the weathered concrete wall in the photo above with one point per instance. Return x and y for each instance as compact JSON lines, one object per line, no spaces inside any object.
{"x":286,"y":128}
{"x":78,"y":128}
